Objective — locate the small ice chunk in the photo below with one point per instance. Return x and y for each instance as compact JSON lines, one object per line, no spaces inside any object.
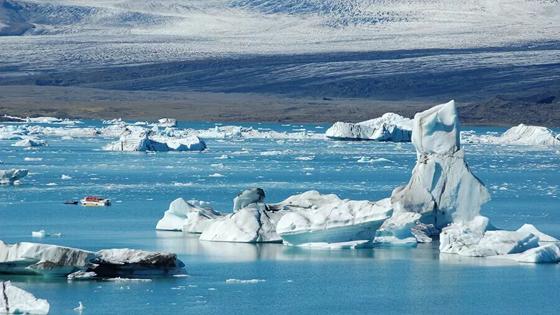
{"x":29,"y":143}
{"x":32,"y":159}
{"x":80,"y":308}
{"x":545,"y":254}
{"x":12,"y":177}
{"x":241,"y":281}
{"x":39,"y":234}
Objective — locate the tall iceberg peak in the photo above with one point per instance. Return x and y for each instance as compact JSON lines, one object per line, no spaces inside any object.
{"x":442,"y":189}
{"x":436,"y":130}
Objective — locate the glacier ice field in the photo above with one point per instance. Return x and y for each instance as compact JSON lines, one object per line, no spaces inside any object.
{"x":272,"y":278}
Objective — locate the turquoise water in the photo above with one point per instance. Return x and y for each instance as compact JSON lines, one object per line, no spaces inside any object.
{"x":525,"y":187}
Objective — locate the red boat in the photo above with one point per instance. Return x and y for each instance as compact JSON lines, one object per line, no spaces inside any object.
{"x":94,"y":201}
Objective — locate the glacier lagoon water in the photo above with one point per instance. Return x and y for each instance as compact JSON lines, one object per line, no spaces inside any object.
{"x":524,"y":182}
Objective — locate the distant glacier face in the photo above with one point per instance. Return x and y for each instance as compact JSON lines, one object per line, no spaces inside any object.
{"x":341,"y":48}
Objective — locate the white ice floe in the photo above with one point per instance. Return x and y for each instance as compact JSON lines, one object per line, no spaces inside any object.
{"x":242,"y":281}
{"x":191,"y":143}
{"x":314,"y":218}
{"x":12,"y":177}
{"x":478,"y":238}
{"x":14,"y":300}
{"x":52,"y":120}
{"x":389,"y":127}
{"x":521,"y":134}
{"x":189,"y":216}
{"x":251,"y":224}
{"x":544,"y":254}
{"x":52,"y":260}
{"x":43,"y":233}
{"x":80,"y":308}
{"x":364,"y":159}
{"x":29,"y":142}
{"x":167,"y":122}
{"x":125,"y":262}
{"x":252,"y":221}
{"x":300,"y":219}
{"x":176,"y":138}
{"x":65,"y":177}
{"x":529,"y":135}
{"x":39,"y":234}
{"x":136,"y":142}
{"x":32,"y":159}
{"x":34,"y":258}
{"x":143,"y":141}
{"x":337,"y":246}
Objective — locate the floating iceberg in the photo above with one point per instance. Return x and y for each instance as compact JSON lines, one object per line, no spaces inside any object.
{"x":136,"y":142}
{"x":544,"y":254}
{"x":111,"y":263}
{"x":519,"y":135}
{"x":167,"y":122}
{"x":252,"y":221}
{"x":442,"y":189}
{"x":43,"y":233}
{"x":300,"y":219}
{"x":52,"y":260}
{"x":252,"y":224}
{"x":14,"y":300}
{"x":443,"y":195}
{"x":190,"y":143}
{"x":389,"y":127}
{"x":243,"y":281}
{"x":479,"y":239}
{"x":142,"y":141}
{"x":52,"y":120}
{"x":529,"y":135}
{"x":28,"y":143}
{"x":189,"y":216}
{"x":314,"y":218}
{"x":34,"y":258}
{"x":13,"y":176}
